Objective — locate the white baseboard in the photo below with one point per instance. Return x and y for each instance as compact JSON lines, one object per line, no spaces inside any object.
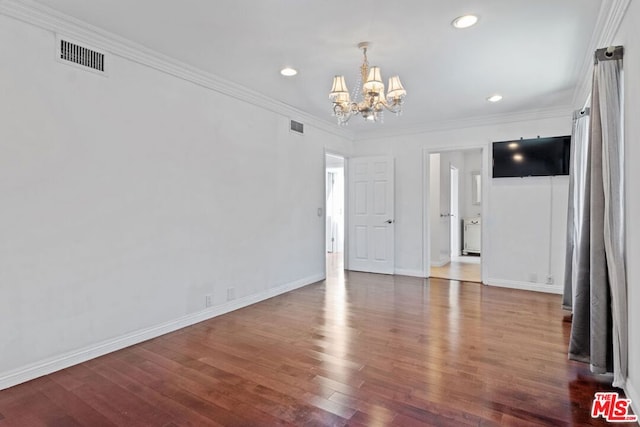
{"x":409,"y":272}
{"x":527,"y":286}
{"x":50,"y":365}
{"x":632,"y":393}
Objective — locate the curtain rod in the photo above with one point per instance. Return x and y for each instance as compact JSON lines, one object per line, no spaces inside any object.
{"x":609,"y":53}
{"x":581,"y":113}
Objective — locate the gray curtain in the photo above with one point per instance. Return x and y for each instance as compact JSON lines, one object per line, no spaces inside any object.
{"x":576,"y":267}
{"x":595,"y":285}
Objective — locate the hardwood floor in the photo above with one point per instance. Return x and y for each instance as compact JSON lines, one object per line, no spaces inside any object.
{"x":358,"y":349}
{"x":462,"y":268}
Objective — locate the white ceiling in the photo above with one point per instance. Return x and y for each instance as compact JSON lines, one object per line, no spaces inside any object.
{"x":532,"y":52}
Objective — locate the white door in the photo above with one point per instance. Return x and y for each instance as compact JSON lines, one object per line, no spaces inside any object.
{"x":371,"y":219}
{"x":453,"y":211}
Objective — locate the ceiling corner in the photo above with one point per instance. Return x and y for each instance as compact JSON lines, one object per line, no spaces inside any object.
{"x":609,"y":19}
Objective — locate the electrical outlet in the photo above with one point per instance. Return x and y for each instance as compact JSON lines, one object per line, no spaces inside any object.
{"x":549,"y":280}
{"x":231,"y":294}
{"x":207,"y":301}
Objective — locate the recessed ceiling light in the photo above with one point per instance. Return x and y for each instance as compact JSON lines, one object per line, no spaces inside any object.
{"x":465,"y":21}
{"x":494,"y":98}
{"x":288,"y":72}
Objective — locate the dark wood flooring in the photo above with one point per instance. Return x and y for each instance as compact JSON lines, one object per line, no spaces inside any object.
{"x":359,"y":349}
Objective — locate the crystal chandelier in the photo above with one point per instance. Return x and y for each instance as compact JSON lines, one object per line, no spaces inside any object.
{"x":373,"y":101}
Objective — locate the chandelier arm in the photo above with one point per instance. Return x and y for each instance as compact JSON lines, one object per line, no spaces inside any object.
{"x":395,"y":108}
{"x":343,"y":111}
{"x":338,"y":110}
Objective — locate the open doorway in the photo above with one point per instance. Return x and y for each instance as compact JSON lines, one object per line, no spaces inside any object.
{"x":455,"y":214}
{"x":335,"y":198}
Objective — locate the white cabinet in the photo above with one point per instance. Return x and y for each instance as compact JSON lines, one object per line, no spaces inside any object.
{"x":472,"y":236}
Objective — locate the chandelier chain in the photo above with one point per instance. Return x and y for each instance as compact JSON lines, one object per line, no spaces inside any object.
{"x":364,"y":68}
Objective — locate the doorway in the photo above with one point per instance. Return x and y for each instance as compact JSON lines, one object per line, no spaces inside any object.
{"x":455,"y":215}
{"x":335,"y":198}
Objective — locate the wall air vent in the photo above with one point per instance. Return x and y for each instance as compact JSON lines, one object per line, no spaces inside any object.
{"x":74,"y":54}
{"x":297,"y":127}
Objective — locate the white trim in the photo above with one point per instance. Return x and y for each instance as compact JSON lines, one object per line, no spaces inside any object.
{"x":632,"y":393}
{"x":47,"y":366}
{"x":486,"y":173}
{"x":527,"y":286}
{"x":49,"y":19}
{"x":479,"y":121}
{"x":425,"y":258}
{"x":607,"y":25}
{"x":408,"y":272}
{"x":426,"y":217}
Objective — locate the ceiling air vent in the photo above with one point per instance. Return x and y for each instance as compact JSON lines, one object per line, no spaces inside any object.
{"x":72,"y":53}
{"x":297,"y":127}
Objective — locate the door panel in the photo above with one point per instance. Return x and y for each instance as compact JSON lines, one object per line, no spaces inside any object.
{"x":360,"y":195}
{"x":371,"y":215}
{"x":361,"y":243}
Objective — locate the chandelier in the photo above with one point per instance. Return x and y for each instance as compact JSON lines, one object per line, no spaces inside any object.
{"x":370,"y":101}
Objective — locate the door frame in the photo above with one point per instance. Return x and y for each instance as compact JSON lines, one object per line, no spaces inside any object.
{"x":485,"y":150}
{"x":345,"y":237}
{"x":454,"y":220}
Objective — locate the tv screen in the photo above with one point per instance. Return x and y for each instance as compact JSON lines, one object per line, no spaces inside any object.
{"x":532,"y":157}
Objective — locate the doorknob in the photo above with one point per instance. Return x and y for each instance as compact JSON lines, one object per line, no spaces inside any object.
{"x":389,"y":221}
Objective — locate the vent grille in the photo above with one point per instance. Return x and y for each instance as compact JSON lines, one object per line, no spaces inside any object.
{"x":297,"y":127}
{"x":81,"y":55}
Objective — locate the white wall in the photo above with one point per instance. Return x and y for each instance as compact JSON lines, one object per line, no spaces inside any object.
{"x":127,"y":199}
{"x":527,"y":223}
{"x":503,"y":237}
{"x":629,"y":37}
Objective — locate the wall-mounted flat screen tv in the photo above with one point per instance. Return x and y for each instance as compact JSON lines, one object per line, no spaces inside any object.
{"x":532,"y":157}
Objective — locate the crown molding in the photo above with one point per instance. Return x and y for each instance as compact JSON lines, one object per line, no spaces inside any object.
{"x":607,"y":25}
{"x":489,"y":120}
{"x":609,"y":18}
{"x":49,"y":19}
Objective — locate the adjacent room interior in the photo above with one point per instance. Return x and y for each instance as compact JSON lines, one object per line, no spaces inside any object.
{"x":455,"y":199}
{"x":334,"y":168}
{"x":319,"y":213}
